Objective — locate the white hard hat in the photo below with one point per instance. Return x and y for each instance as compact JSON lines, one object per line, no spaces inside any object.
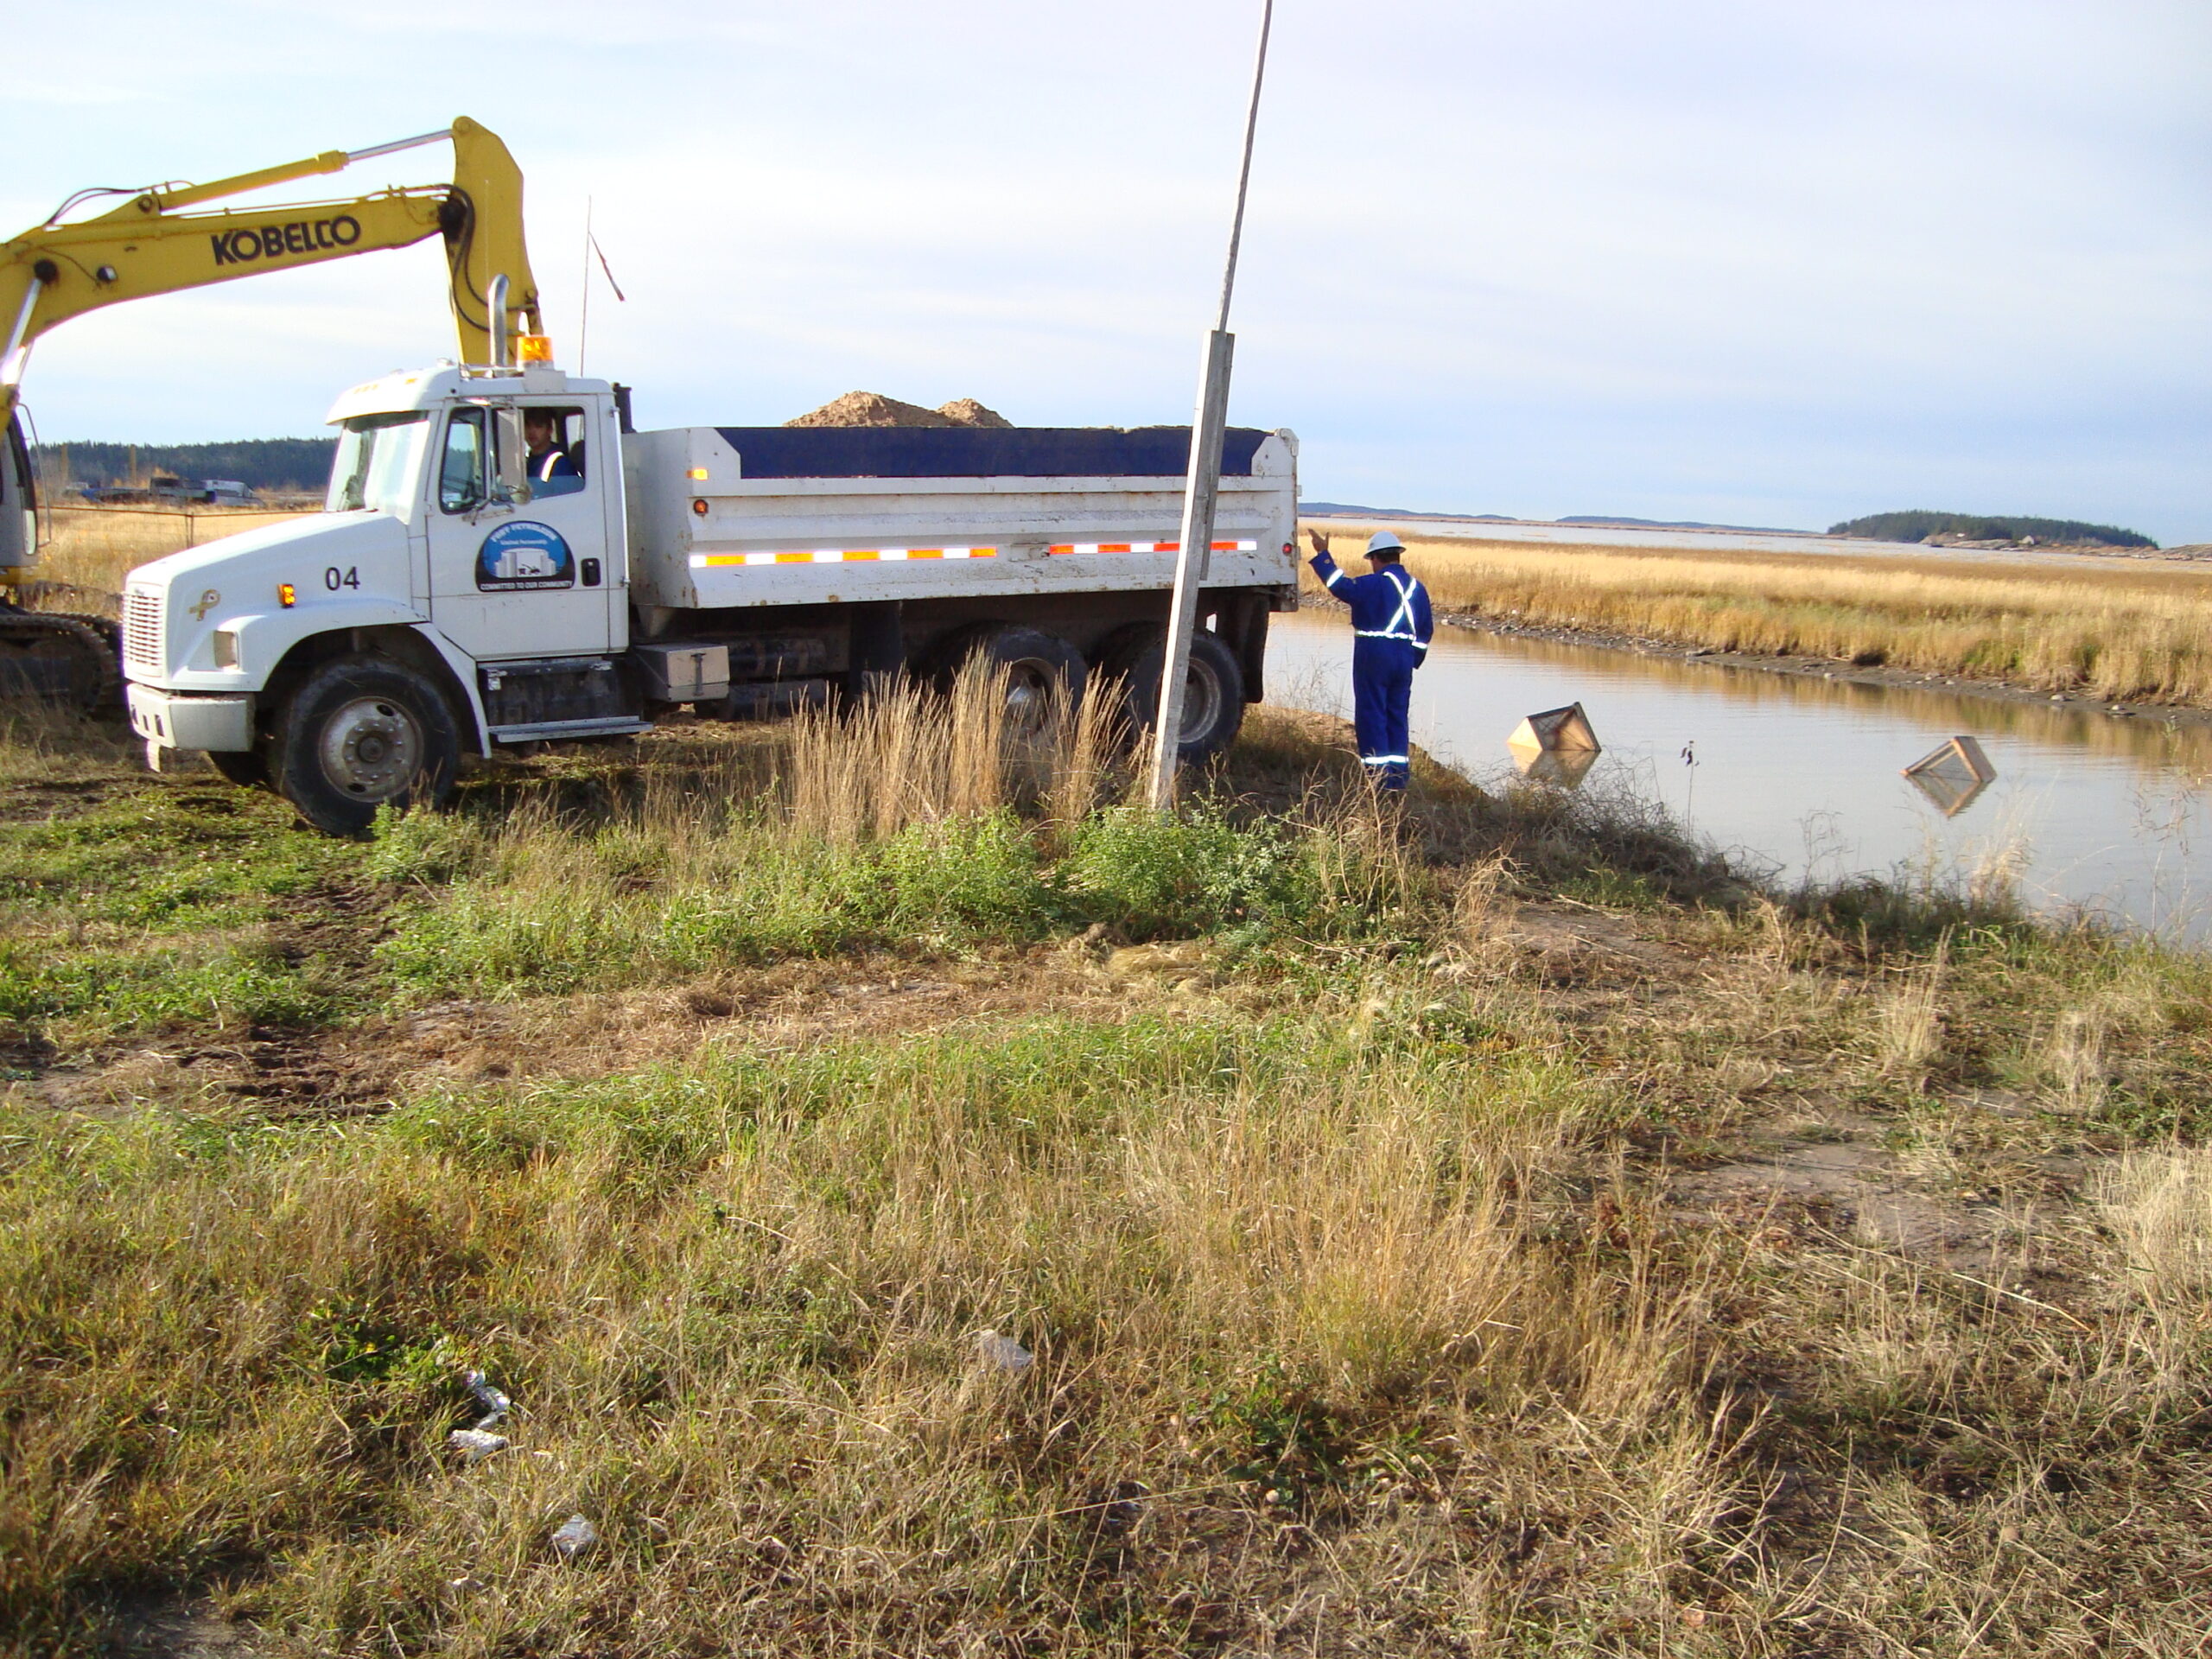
{"x":1383,"y":541}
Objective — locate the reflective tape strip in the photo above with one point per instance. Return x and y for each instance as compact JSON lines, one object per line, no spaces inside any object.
{"x":1146,"y":547}
{"x":1406,"y":589}
{"x":840,"y":555}
{"x":1405,"y":610}
{"x":1385,"y":760}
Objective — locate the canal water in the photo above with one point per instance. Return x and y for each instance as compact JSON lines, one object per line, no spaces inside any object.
{"x":1802,"y":778}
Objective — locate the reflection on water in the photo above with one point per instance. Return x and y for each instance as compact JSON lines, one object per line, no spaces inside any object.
{"x":1804,"y":777}
{"x":1561,"y":768}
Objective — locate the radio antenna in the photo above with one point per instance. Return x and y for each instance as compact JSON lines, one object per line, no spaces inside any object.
{"x":583,"y":319}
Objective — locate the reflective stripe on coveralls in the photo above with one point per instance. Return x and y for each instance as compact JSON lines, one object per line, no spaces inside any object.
{"x":1401,"y":619}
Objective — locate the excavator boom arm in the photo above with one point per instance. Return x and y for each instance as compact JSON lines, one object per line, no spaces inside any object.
{"x":81,"y":268}
{"x":148,"y":245}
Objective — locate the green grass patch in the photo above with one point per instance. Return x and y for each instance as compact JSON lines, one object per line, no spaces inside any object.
{"x":164,"y":907}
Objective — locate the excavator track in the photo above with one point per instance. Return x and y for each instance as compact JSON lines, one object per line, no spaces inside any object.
{"x":72,"y":661}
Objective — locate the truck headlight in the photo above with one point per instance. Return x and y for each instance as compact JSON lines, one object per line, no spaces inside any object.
{"x":227,"y":647}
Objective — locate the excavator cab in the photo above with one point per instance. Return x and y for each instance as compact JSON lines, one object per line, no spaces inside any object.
{"x":18,"y":501}
{"x":44,"y":654}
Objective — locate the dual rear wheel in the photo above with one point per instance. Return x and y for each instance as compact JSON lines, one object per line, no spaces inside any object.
{"x":1045,"y":676}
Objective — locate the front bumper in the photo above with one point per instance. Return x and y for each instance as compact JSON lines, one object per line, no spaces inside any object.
{"x":178,"y":719}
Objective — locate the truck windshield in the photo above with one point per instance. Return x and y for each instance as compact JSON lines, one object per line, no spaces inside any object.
{"x":377,"y":462}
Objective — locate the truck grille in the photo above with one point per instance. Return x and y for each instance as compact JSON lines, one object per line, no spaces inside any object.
{"x":141,"y":628}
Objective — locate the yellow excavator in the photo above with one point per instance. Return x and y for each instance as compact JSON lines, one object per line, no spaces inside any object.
{"x":154,"y":243}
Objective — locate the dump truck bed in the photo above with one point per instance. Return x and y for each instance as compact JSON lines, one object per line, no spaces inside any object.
{"x":726,"y":518}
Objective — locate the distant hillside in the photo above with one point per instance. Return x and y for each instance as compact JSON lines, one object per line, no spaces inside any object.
{"x":1676,"y":524}
{"x":1347,"y":509}
{"x":1918,"y":526}
{"x":262,"y":464}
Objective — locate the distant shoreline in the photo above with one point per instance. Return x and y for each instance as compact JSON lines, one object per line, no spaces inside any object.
{"x":1578,"y":521}
{"x":1619,"y":533}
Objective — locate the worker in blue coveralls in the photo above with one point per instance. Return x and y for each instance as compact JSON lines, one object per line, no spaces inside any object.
{"x":1391,"y":630}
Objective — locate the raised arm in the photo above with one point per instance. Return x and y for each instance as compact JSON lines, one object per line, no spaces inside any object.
{"x":1323,"y":565}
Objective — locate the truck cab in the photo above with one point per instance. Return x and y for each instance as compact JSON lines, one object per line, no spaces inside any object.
{"x":457,"y":589}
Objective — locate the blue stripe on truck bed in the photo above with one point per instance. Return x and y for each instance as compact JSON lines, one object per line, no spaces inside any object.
{"x":980,"y":452}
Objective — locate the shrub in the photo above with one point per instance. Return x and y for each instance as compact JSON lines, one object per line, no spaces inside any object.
{"x":973,"y":875}
{"x":1151,"y":875}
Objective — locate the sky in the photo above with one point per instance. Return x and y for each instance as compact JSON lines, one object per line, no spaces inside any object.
{"x":1759,"y":264}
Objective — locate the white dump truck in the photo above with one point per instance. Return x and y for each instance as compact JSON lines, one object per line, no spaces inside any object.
{"x":484,"y":572}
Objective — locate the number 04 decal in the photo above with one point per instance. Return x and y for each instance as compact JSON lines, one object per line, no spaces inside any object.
{"x":334,"y":578}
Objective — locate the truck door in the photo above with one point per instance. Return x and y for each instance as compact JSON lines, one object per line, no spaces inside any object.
{"x":518,"y":542}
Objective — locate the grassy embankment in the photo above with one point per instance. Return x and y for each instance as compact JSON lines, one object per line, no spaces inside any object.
{"x":2138,"y":632}
{"x":1489,"y":1232}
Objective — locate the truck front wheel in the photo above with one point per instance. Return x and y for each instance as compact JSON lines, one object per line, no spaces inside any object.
{"x":363,"y":733}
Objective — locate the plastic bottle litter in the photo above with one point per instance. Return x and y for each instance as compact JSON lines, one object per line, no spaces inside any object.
{"x":574,"y":1537}
{"x":476,"y":1443}
{"x":1004,"y":1353}
{"x":496,"y":1405}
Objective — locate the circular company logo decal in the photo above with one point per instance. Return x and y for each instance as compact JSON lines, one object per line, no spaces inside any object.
{"x":525,"y":553}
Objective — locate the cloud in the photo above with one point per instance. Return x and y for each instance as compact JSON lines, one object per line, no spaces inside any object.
{"x":1702,"y":260}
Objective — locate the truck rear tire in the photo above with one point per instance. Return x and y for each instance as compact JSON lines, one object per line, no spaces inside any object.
{"x":363,"y":733}
{"x":1044,"y":674}
{"x":1213,"y":695}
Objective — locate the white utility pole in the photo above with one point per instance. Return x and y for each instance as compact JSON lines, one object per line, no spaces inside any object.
{"x":1194,"y":547}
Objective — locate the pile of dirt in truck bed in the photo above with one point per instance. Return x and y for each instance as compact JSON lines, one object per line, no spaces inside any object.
{"x":873,"y":408}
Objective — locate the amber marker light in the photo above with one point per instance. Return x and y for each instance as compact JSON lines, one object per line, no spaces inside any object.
{"x":699,"y":505}
{"x":287,"y":596}
{"x":698,"y":473}
{"x":534,"y":348}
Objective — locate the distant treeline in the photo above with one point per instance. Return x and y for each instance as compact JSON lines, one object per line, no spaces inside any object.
{"x":262,"y":464}
{"x":1973,"y":527}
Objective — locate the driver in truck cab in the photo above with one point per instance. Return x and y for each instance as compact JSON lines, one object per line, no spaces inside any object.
{"x":551,"y":472}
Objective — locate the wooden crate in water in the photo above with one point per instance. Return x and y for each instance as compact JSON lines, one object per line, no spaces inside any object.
{"x":1555,"y":731}
{"x":1953,"y":775}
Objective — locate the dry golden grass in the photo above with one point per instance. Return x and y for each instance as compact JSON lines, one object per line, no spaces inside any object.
{"x":1368,"y":1312}
{"x":905,"y":757}
{"x":2136,"y":632}
{"x":94,"y":549}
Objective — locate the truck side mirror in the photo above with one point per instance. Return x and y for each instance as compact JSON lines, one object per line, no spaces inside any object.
{"x":18,"y":502}
{"x":511,"y":457}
